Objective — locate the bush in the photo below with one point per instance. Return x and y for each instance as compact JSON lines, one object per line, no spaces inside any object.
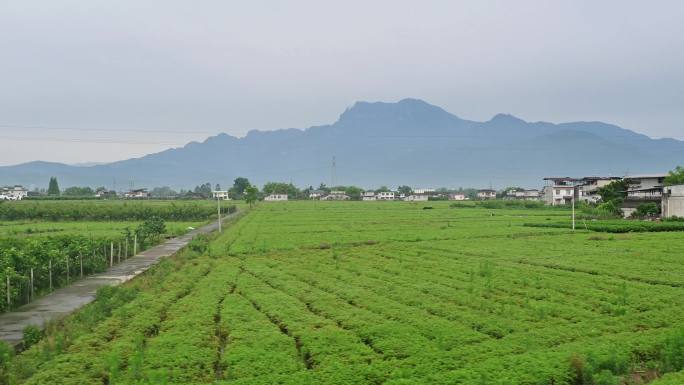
{"x":32,"y":335}
{"x":6,"y":354}
{"x":650,"y":209}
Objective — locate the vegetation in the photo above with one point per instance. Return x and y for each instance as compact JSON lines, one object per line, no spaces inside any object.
{"x":348,"y":293}
{"x":675,"y":176}
{"x":53,"y":187}
{"x":109,"y":210}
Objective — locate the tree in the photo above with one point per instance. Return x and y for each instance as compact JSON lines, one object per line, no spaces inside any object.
{"x":163,"y":192}
{"x":353,"y":192}
{"x":406,"y":190}
{"x":251,"y":194}
{"x":76,"y":191}
{"x":281,"y":188}
{"x":239,"y":186}
{"x":676,"y":176}
{"x":204,"y":190}
{"x":53,"y":187}
{"x":382,"y":189}
{"x":615,"y":192}
{"x":218,"y":187}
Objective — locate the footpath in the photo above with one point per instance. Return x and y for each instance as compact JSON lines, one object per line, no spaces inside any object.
{"x":65,"y":300}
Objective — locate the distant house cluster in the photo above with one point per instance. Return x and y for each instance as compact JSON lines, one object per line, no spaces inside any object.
{"x":641,"y":189}
{"x":13,"y":193}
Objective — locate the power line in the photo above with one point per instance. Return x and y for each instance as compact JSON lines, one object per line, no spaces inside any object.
{"x":97,"y":141}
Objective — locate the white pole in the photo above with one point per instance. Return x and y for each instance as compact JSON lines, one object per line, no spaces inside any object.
{"x":111,"y":254}
{"x":8,"y":292}
{"x":135,"y":244}
{"x":218,"y":208}
{"x":573,"y":211}
{"x":50,"y":268}
{"x":31,"y":296}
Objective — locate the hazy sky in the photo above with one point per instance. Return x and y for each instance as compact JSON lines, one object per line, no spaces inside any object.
{"x":92,"y":80}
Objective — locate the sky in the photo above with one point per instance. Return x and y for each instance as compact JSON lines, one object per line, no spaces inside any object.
{"x":98,"y":81}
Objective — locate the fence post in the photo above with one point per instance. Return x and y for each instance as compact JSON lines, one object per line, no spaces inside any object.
{"x":126,"y":250}
{"x":80,"y":259}
{"x":9,"y":289}
{"x":118,"y":253}
{"x":111,"y":254}
{"x":67,"y":268}
{"x":135,"y":244}
{"x":31,"y":295}
{"x":50,"y":272}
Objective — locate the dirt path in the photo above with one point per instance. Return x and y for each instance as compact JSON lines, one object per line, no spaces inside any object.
{"x":67,"y":299}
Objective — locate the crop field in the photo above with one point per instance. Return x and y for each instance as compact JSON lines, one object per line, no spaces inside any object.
{"x":47,"y":244}
{"x":385,"y":293}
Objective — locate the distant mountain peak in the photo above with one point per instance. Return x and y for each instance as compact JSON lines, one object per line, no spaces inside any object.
{"x":506,"y":119}
{"x":404,"y":111}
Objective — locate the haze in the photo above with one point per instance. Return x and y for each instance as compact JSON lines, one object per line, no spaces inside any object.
{"x":99,"y":81}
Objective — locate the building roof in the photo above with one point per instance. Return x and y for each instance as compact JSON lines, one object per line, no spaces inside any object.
{"x":486,"y":190}
{"x":561,"y":179}
{"x":601,"y":178}
{"x":646,"y":176}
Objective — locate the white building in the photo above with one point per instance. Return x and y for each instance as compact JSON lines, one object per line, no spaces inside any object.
{"x":523,"y":195}
{"x":316,"y":194}
{"x":646,"y":187}
{"x":589,"y":186}
{"x":559,"y":191}
{"x":222,"y":195}
{"x":13,"y":193}
{"x":421,"y":191}
{"x":137,"y":194}
{"x":385,"y":196}
{"x":673,"y":201}
{"x":275,"y":197}
{"x":486,"y":194}
{"x":457,"y":197}
{"x":417,"y":198}
{"x":336,"y":196}
{"x":368,"y":196}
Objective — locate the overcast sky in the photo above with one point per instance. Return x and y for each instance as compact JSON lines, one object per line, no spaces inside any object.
{"x":94,"y":81}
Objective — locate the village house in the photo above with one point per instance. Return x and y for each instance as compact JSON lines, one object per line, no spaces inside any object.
{"x":368,"y":196}
{"x":316,"y":194}
{"x":275,"y":197}
{"x":424,"y":191}
{"x":336,"y":196}
{"x":221,"y":195}
{"x":642,"y":189}
{"x":457,"y":197}
{"x":590,"y":185}
{"x":385,"y":196}
{"x":559,"y":190}
{"x":13,"y":193}
{"x":522,"y":194}
{"x":486,"y":194}
{"x":140,"y":193}
{"x":417,"y":197}
{"x":673,"y":201}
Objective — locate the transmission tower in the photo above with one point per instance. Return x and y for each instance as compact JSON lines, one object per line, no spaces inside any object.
{"x":333,"y":173}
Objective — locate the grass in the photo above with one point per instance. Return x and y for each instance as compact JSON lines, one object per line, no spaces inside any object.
{"x":387,"y":293}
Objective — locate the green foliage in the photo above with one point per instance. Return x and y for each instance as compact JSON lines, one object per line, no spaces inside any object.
{"x":615,"y":191}
{"x":76,"y":191}
{"x":406,"y":190}
{"x":53,"y":187}
{"x":281,"y":188}
{"x":251,"y":195}
{"x":675,"y":176}
{"x":644,"y":210}
{"x":6,"y":355}
{"x":239,"y":186}
{"x":673,"y":352}
{"x":32,"y":335}
{"x":153,"y":227}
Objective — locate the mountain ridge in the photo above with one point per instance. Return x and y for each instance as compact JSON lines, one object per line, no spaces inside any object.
{"x":380,"y":143}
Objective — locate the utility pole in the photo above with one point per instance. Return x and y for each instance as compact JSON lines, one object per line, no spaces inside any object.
{"x":333,"y":173}
{"x":574,"y":192}
{"x":218,"y":211}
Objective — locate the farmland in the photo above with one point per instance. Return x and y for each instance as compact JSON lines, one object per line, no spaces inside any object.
{"x":48,"y":244}
{"x":385,"y":293}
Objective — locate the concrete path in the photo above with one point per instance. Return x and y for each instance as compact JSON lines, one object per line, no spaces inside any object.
{"x":67,"y":299}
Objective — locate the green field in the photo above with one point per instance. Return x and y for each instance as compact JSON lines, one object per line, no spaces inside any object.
{"x":385,"y":293}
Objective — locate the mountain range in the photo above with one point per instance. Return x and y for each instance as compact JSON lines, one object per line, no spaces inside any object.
{"x":408,"y":142}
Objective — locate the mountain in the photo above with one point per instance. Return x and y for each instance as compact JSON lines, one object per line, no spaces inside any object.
{"x":408,"y":142}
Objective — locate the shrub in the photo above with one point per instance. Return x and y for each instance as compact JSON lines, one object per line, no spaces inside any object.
{"x":32,"y":335}
{"x":650,"y":209}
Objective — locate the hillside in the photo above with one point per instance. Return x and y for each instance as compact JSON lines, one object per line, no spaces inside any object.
{"x":408,"y":142}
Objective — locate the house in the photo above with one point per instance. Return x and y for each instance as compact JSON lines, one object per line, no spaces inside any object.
{"x":221,"y":195}
{"x":368,"y":196}
{"x":486,"y":194}
{"x":13,"y":193}
{"x":673,"y":201}
{"x":457,"y":197}
{"x":385,"y":196}
{"x":559,"y":190}
{"x":522,"y":195}
{"x":642,"y":189}
{"x":102,"y":192}
{"x":275,"y":197}
{"x":417,"y":197}
{"x":316,"y":194}
{"x":589,"y":186}
{"x":336,"y":196}
{"x":422,"y":191}
{"x":140,"y":193}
